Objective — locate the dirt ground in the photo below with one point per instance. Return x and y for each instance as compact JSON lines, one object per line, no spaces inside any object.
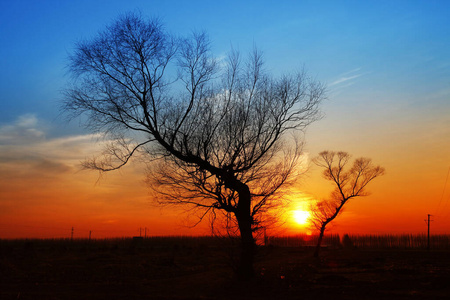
{"x":129,"y":270}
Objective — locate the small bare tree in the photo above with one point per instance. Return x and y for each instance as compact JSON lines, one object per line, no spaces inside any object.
{"x":216,"y":132}
{"x":349,"y":183}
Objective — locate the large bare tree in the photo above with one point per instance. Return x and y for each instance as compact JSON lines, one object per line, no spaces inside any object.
{"x":215,"y":130}
{"x":349,"y":183}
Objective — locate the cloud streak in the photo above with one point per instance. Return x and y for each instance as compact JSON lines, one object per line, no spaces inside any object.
{"x":28,"y":158}
{"x":41,"y":183}
{"x":23,"y":130}
{"x":347,"y":78}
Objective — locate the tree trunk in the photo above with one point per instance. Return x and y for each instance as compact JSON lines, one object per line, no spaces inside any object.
{"x":319,"y":241}
{"x":244,"y":219}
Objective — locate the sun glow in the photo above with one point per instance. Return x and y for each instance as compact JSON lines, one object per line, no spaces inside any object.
{"x":301,"y":216}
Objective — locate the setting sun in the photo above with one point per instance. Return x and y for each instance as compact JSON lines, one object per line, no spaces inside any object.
{"x":301,"y":216}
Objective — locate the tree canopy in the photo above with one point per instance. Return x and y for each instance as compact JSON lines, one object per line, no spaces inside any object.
{"x":217,"y":130}
{"x":348,"y":183}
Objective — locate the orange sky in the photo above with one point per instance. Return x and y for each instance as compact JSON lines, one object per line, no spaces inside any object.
{"x":413,"y":144}
{"x":44,"y":193}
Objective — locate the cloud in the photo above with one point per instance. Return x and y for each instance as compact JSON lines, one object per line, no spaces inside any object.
{"x":25,"y":149}
{"x":25,"y":129}
{"x":347,"y":77}
{"x":41,"y":182}
{"x":52,"y":166}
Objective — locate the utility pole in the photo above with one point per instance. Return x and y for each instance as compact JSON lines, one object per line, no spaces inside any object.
{"x":90,"y":231}
{"x":71,"y":235}
{"x":145,"y":235}
{"x":428,"y":221}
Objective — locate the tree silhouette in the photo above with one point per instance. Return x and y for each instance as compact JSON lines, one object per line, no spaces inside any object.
{"x":215,"y":130}
{"x":349,"y":184}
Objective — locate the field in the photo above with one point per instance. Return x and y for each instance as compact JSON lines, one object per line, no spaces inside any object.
{"x":202,"y":268}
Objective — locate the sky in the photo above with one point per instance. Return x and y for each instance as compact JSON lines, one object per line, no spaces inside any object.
{"x":386,"y":65}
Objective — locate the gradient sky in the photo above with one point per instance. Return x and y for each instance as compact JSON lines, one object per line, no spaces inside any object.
{"x":386,"y":65}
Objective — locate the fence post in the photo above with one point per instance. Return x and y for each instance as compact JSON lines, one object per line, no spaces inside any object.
{"x":428,"y":236}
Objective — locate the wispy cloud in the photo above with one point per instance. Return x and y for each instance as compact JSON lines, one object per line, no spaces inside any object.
{"x":347,"y":77}
{"x":25,"y":129}
{"x":24,"y":146}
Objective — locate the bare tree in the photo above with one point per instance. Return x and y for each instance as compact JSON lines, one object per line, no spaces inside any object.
{"x":349,"y":183}
{"x":215,"y":131}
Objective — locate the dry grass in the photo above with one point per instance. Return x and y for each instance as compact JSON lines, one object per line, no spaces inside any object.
{"x":201,"y":268}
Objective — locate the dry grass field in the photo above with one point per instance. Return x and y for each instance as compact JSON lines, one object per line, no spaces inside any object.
{"x":202,"y":268}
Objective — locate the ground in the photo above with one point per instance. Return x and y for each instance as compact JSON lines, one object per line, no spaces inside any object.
{"x":201,"y":269}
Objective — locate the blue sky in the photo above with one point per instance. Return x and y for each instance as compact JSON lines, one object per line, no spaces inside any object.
{"x":386,"y":65}
{"x":385,"y":46}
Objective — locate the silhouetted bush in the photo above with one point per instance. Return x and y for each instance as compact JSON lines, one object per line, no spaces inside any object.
{"x":347,"y":242}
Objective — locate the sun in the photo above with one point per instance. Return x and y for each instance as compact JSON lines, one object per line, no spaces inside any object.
{"x":301,"y":216}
